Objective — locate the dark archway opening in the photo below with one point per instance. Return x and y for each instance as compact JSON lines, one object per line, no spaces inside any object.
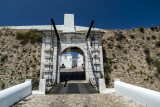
{"x":72,"y":64}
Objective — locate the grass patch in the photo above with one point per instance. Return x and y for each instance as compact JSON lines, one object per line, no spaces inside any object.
{"x":33,"y":65}
{"x":120,"y":36}
{"x":3,"y":86}
{"x":27,"y":67}
{"x":141,"y":29}
{"x":158,"y":54}
{"x":35,"y":82}
{"x":107,"y":67}
{"x":119,"y":46}
{"x":115,"y":66}
{"x":158,"y":66}
{"x":32,"y":35}
{"x":158,"y":44}
{"x":24,"y":50}
{"x":149,"y":60}
{"x":148,"y":38}
{"x":132,"y":36}
{"x":146,"y":50}
{"x":154,"y":37}
{"x":3,"y":58}
{"x":154,"y":28}
{"x":15,"y":46}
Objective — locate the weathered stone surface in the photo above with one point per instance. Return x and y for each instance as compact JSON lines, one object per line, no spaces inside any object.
{"x":23,"y":60}
{"x":129,"y":58}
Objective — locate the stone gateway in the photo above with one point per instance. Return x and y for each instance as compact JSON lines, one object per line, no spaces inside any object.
{"x":72,"y":39}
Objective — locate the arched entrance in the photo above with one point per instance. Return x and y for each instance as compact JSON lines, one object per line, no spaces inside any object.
{"x":72,"y":64}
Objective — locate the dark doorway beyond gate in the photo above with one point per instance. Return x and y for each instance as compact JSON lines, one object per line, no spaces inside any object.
{"x":72,"y":74}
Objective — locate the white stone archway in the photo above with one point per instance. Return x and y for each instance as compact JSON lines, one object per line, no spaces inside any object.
{"x":74,"y":46}
{"x":83,"y":52}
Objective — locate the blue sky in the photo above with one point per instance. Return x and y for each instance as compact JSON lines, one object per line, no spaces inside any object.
{"x":75,"y":54}
{"x":107,"y":14}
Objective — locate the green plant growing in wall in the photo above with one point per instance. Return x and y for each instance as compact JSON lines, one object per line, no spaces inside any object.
{"x":32,"y":35}
{"x":132,"y":36}
{"x":149,"y":60}
{"x":27,"y":67}
{"x":120,"y":36}
{"x":154,"y":37}
{"x":158,"y":44}
{"x":3,"y":58}
{"x":35,"y":82}
{"x":154,"y":28}
{"x":33,"y":65}
{"x":146,"y":50}
{"x":3,"y":86}
{"x":158,"y":67}
{"x":119,"y":46}
{"x":141,"y":29}
{"x":24,"y":50}
{"x":107,"y":62}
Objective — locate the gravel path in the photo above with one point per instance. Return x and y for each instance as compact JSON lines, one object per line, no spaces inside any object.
{"x":77,"y":100}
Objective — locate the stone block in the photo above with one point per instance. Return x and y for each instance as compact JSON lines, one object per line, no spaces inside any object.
{"x":42,"y":86}
{"x":101,"y":85}
{"x":69,"y":23}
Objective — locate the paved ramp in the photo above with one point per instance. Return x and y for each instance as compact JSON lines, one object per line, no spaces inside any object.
{"x":73,"y":88}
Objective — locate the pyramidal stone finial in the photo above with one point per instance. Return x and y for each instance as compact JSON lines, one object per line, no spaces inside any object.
{"x":69,"y":23}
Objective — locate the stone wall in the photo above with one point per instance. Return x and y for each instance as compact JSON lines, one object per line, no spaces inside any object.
{"x":21,"y":61}
{"x":126,"y":50}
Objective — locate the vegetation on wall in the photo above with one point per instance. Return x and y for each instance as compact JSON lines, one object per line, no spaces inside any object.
{"x":155,"y":28}
{"x":29,"y":36}
{"x":107,"y":62}
{"x":3,"y":58}
{"x":158,"y":44}
{"x":158,"y":67}
{"x":35,"y":80}
{"x":119,"y":36}
{"x":3,"y":86}
{"x":150,"y":60}
{"x":17,"y":61}
{"x":141,"y":29}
